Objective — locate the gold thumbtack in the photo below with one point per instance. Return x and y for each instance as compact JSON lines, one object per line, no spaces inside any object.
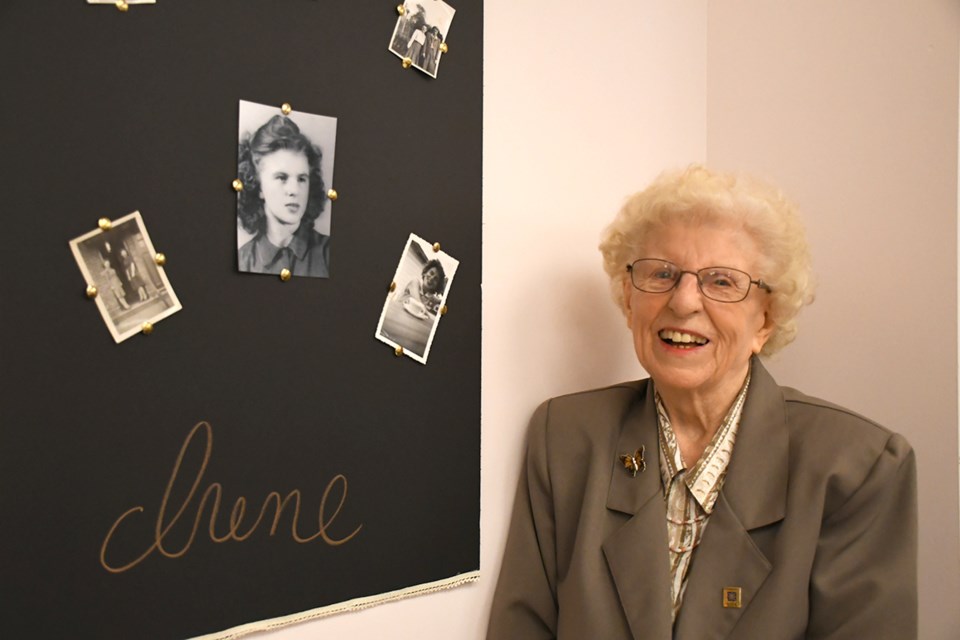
{"x":285,"y":274}
{"x":393,"y":287}
{"x":160,"y":259}
{"x":443,"y":47}
{"x":91,"y":292}
{"x":635,"y":462}
{"x":237,"y":185}
{"x":285,"y":108}
{"x":732,"y":598}
{"x":406,"y":63}
{"x":443,"y":310}
{"x":436,"y":247}
{"x":104,"y":224}
{"x":146,"y":328}
{"x":398,"y":351}
{"x":401,"y":9}
{"x":122,"y":6}
{"x":332,"y":194}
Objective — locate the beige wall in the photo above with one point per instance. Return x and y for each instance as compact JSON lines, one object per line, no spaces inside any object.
{"x":852,"y":107}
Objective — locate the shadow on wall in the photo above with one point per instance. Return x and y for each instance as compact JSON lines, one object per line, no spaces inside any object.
{"x":574,"y":336}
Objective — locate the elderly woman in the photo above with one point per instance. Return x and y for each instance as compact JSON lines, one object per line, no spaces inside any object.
{"x":283,"y":195}
{"x":707,"y":501}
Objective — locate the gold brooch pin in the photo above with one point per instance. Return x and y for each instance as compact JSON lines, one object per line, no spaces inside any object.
{"x":732,"y":598}
{"x":634,"y":462}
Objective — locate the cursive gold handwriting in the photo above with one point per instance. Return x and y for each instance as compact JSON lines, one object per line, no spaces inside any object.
{"x":236,"y":530}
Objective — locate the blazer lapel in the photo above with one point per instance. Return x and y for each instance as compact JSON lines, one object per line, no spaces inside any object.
{"x":754,"y":495}
{"x":725,"y":558}
{"x":636,"y":553}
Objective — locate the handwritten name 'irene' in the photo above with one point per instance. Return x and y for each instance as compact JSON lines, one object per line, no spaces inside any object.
{"x":238,"y":527}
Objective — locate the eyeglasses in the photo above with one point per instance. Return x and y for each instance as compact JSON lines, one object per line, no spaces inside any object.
{"x":723,"y":284}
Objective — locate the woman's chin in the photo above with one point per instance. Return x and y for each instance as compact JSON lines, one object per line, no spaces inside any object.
{"x":290,"y":223}
{"x":681,"y":371}
{"x":680,"y":380}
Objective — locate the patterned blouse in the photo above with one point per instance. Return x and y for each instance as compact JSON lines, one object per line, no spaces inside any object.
{"x":690,"y":493}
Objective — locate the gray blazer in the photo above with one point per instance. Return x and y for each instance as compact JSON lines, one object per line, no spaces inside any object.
{"x":816,"y":524}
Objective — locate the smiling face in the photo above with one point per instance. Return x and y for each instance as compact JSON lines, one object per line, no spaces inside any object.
{"x":431,"y":279}
{"x":687,"y":343}
{"x":284,"y":187}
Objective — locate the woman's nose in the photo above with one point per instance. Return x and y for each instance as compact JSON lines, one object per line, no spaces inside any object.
{"x":686,"y":297}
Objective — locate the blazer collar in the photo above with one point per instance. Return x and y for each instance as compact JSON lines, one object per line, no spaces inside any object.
{"x":628,"y":493}
{"x":756,"y":482}
{"x":636,"y":553}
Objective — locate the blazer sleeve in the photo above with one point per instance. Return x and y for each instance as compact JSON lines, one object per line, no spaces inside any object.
{"x":525,"y":600}
{"x":864,"y":577}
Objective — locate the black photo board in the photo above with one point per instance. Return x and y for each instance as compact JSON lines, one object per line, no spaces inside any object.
{"x":133,"y":473}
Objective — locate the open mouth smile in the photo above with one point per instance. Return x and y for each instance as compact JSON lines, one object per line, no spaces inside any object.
{"x":681,"y":339}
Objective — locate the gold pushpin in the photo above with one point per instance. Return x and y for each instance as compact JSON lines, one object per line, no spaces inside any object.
{"x":160,"y":259}
{"x":401,"y":9}
{"x":443,"y":47}
{"x":635,"y":462}
{"x":393,"y":287}
{"x":731,"y":598}
{"x":285,"y":274}
{"x":91,"y":292}
{"x":436,"y":247}
{"x":398,"y":351}
{"x":332,"y":194}
{"x":285,"y":108}
{"x":146,"y":328}
{"x":105,"y":224}
{"x":407,"y":62}
{"x":237,"y":185}
{"x":122,"y":6}
{"x":443,"y":310}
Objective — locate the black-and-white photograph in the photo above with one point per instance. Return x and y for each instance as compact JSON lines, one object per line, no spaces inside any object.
{"x":121,"y":264}
{"x":285,"y":162}
{"x":420,"y":31}
{"x":412,"y":310}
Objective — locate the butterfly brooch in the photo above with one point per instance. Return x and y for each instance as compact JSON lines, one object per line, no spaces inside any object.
{"x":634,"y":462}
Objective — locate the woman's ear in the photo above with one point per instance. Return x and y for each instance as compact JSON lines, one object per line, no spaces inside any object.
{"x":763,"y":333}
